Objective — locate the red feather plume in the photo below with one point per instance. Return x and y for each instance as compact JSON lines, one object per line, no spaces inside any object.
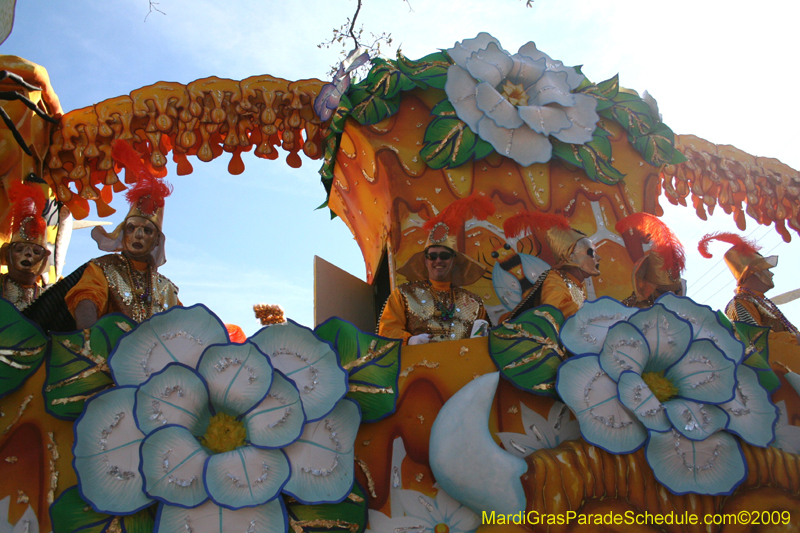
{"x":664,"y":242}
{"x":517,"y":224}
{"x":457,"y":213}
{"x":149,"y":191}
{"x":743,"y":245}
{"x":27,"y":201}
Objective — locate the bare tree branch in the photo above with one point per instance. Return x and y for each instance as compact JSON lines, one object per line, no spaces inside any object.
{"x":153,"y":8}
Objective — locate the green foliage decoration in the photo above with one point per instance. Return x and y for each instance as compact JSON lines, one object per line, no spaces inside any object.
{"x":23,"y":346}
{"x":348,"y":516}
{"x":77,"y":366}
{"x":372,"y":363}
{"x":71,"y":514}
{"x":527,"y":351}
{"x":756,"y":353}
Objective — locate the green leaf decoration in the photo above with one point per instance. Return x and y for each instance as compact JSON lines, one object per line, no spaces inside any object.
{"x":632,"y":113}
{"x":657,"y":147}
{"x":604,"y":92}
{"x":369,"y":108}
{"x":71,"y":514}
{"x":77,"y":368}
{"x":385,"y":80}
{"x":349,"y":516}
{"x":372,"y":363}
{"x":449,"y":143}
{"x":444,"y":108}
{"x":527,"y":351}
{"x":756,"y":353}
{"x":430,"y":71}
{"x":593,"y":157}
{"x":23,"y":345}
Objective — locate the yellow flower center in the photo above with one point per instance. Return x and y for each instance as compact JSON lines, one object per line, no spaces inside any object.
{"x":441,"y":528}
{"x":662,"y":388}
{"x":224,"y":434}
{"x":515,"y":94}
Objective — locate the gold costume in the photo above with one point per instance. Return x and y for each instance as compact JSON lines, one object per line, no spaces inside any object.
{"x":755,"y":308}
{"x":425,"y":307}
{"x":557,"y":288}
{"x":20,"y":295}
{"x":117,"y":284}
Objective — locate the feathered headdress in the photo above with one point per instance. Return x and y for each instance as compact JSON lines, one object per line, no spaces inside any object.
{"x":27,"y":204}
{"x":744,"y":246}
{"x":146,"y":198}
{"x":560,"y":235}
{"x":742,"y":258}
{"x":662,"y":240}
{"x":443,"y":230}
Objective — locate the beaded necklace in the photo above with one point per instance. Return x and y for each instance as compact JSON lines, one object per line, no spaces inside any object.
{"x":575,"y":291}
{"x":446,"y":312}
{"x":142,"y":287}
{"x":765,"y":304}
{"x":19,"y":295}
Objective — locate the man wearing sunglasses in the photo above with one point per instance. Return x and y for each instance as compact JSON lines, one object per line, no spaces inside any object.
{"x":433,"y":306}
{"x":25,"y":254}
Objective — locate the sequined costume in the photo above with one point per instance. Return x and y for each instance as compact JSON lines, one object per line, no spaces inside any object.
{"x":117,"y":284}
{"x":755,"y":308}
{"x":437,"y":308}
{"x":554,"y":287}
{"x":20,"y":295}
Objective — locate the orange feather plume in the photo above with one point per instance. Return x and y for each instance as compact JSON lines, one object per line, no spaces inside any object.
{"x":149,"y":191}
{"x":743,"y":245}
{"x":27,"y":201}
{"x":664,"y":242}
{"x":516,"y":225}
{"x":457,"y":213}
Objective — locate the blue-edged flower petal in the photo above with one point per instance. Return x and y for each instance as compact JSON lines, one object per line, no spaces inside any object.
{"x":624,"y":349}
{"x":462,"y":50}
{"x":176,"y":395}
{"x":592,"y":396}
{"x":586,"y":330}
{"x":522,"y":144}
{"x":177,"y":335}
{"x":752,"y":414}
{"x":551,"y":88}
{"x":546,"y":120}
{"x":667,"y":335}
{"x":246,"y":476}
{"x":106,"y":452}
{"x":460,"y":88}
{"x":322,"y":458}
{"x":497,"y":108}
{"x":172,"y":466}
{"x":311,"y":363}
{"x":211,"y":518}
{"x":529,"y":50}
{"x":696,"y":421}
{"x":714,"y":466}
{"x":637,"y":396}
{"x":583,"y":117}
{"x":278,"y":420}
{"x":490,"y":65}
{"x":238,"y":376}
{"x":526,"y":71}
{"x":704,"y":374}
{"x":705,"y":324}
{"x":787,"y":436}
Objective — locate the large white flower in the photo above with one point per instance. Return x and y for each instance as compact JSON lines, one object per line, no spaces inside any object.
{"x":669,"y":377}
{"x":424,"y":514}
{"x":214,"y":430}
{"x":516,"y":102}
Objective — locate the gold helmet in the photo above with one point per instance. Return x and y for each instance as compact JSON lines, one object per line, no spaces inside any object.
{"x":27,"y":224}
{"x":561,"y":237}
{"x":742,"y":258}
{"x":146,"y":199}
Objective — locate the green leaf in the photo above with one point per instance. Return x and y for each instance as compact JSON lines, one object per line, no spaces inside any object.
{"x":632,"y":113}
{"x":756,"y":355}
{"x":604,"y":92}
{"x":593,"y":157}
{"x":70,"y":514}
{"x":77,"y":369}
{"x":527,"y":351}
{"x":23,"y":345}
{"x":332,"y":517}
{"x":444,"y":108}
{"x":370,"y":109}
{"x":385,"y":80}
{"x":372,"y":362}
{"x":657,"y":147}
{"x":430,"y":71}
{"x":449,"y":143}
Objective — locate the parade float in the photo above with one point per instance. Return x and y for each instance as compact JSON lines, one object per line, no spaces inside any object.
{"x":172,"y":425}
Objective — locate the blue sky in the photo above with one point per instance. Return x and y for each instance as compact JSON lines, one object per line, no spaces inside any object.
{"x":723,"y":71}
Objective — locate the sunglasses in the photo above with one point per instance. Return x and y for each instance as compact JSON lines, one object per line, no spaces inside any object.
{"x":444,"y":256}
